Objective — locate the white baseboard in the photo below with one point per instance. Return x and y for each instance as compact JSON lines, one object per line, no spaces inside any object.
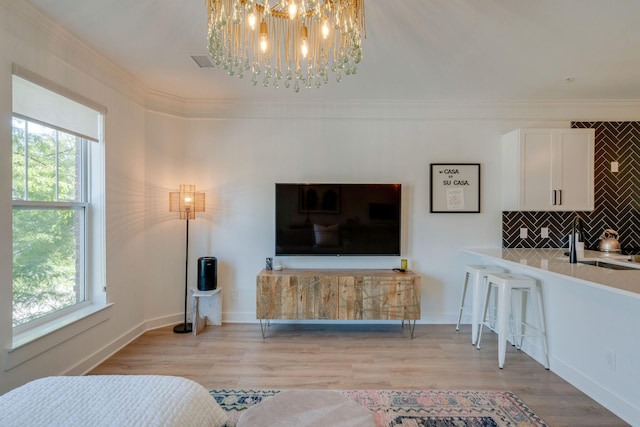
{"x":161,"y":322}
{"x":118,"y":344}
{"x":616,"y":404}
{"x":106,"y":352}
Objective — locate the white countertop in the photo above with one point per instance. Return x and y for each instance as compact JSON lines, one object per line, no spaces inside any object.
{"x":555,"y":262}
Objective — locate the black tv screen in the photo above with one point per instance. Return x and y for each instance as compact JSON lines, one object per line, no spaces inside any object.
{"x":338,"y":219}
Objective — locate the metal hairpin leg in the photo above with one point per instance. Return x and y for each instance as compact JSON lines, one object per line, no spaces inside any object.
{"x":263,"y":327}
{"x":412,"y":327}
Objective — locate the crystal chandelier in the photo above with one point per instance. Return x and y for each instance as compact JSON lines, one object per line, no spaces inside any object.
{"x":288,"y":42}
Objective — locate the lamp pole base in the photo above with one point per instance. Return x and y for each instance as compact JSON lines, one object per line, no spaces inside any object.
{"x":183,"y":328}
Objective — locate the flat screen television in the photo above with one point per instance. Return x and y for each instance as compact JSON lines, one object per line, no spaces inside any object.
{"x":338,"y":219}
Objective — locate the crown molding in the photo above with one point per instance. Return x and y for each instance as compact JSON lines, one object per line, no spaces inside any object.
{"x":570,"y":110}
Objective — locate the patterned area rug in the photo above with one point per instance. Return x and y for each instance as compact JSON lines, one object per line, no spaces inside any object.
{"x":419,"y":408}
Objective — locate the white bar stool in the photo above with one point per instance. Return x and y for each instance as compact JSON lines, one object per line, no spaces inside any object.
{"x":504,"y":284}
{"x":478,"y":276}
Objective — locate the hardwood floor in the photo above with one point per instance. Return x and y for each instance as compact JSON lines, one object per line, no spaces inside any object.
{"x":355,"y":356}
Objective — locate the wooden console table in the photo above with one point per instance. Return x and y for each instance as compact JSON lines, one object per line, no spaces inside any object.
{"x":299,"y":294}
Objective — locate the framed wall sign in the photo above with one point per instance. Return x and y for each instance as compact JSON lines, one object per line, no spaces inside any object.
{"x":455,"y":188}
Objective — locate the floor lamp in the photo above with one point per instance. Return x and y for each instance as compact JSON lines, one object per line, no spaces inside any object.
{"x":187,"y":202}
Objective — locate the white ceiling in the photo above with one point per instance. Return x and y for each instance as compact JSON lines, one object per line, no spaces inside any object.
{"x":463,"y":50}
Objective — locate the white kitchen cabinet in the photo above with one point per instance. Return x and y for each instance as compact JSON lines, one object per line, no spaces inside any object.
{"x":548,"y":170}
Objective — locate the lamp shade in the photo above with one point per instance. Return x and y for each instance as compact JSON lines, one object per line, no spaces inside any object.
{"x":186,"y":201}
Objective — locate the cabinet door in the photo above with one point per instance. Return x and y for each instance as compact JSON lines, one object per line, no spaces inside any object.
{"x":408,"y":297}
{"x":276,"y":297}
{"x":575,"y":179}
{"x":390,"y":298}
{"x":536,"y":170}
{"x":318,"y":297}
{"x":400,"y":298}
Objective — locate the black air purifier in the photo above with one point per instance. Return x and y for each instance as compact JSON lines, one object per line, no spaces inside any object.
{"x":207,"y":273}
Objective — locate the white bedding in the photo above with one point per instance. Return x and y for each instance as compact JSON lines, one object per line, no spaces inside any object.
{"x":110,"y":400}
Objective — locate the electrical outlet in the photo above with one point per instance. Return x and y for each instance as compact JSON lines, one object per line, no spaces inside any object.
{"x":523,"y":233}
{"x":234,"y":295}
{"x":544,"y":232}
{"x":614,"y":167}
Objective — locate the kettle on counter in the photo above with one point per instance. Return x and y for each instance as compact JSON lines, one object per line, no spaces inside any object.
{"x":609,"y":241}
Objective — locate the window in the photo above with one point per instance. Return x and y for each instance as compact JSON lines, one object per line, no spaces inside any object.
{"x":58,"y":206}
{"x":49,"y":211}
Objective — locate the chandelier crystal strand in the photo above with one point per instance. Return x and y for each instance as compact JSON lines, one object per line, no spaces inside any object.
{"x":280,"y":41}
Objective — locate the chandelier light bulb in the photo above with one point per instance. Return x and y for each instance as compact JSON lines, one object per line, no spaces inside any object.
{"x":293,"y":9}
{"x":264,"y":38}
{"x":252,"y":20}
{"x":304,"y":42}
{"x":325,"y":28}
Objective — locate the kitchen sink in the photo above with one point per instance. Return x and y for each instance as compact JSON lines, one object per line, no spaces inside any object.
{"x":610,"y":265}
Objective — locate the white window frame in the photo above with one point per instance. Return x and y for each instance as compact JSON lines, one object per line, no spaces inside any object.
{"x":67,"y":323}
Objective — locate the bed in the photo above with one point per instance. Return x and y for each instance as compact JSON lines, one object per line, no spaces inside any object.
{"x":110,"y":400}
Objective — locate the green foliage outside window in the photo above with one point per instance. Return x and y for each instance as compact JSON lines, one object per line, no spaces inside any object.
{"x":48,"y":220}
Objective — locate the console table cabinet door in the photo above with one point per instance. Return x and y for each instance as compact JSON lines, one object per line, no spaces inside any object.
{"x":318,"y":297}
{"x":277,"y":297}
{"x":391,"y":298}
{"x":407,"y":298}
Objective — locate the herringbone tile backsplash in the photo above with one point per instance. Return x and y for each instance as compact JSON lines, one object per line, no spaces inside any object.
{"x":617,"y":196}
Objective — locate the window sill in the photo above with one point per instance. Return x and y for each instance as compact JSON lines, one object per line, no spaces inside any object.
{"x":30,"y":344}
